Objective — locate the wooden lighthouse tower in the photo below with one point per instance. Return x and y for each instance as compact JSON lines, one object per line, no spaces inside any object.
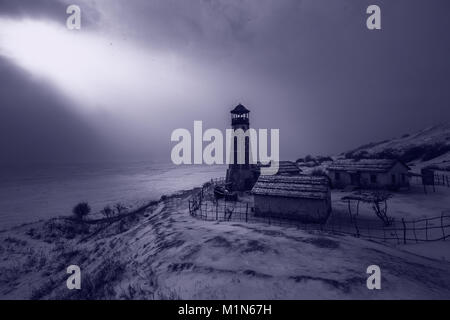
{"x":241,"y":177}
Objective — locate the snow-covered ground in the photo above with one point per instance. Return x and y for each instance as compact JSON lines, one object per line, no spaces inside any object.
{"x":408,"y":204}
{"x":438,"y":134}
{"x":430,"y":146}
{"x":164,"y":253}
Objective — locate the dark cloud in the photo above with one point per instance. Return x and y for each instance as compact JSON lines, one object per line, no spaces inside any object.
{"x":36,"y":9}
{"x":310,"y":68}
{"x":47,"y":9}
{"x":37,"y":126}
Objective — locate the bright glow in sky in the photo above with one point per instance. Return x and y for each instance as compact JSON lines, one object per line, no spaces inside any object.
{"x":94,"y":70}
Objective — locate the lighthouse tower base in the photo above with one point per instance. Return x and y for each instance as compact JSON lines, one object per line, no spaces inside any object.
{"x":242,"y":179}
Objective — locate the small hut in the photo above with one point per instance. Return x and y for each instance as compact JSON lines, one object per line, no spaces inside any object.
{"x":303,"y":198}
{"x":436,"y":174}
{"x":369,"y":173}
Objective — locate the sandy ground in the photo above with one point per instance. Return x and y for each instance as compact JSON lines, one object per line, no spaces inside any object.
{"x":164,"y":253}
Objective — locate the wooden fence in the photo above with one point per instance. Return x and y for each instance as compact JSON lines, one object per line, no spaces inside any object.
{"x":441,"y":179}
{"x":205,"y":207}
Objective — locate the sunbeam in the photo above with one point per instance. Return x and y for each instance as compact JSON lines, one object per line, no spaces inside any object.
{"x":95,"y":70}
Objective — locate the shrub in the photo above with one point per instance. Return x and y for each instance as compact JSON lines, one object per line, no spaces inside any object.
{"x":435,"y":151}
{"x":107,"y":212}
{"x":348,"y":155}
{"x":321,"y":159}
{"x":319,"y":173}
{"x":119,"y":208}
{"x":81,"y":210}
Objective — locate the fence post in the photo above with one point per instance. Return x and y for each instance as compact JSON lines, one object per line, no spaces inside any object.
{"x":442,"y":225}
{"x":404,"y":231}
{"x":356,"y":226}
{"x":246,"y":213}
{"x":217,"y":208}
{"x":426,"y":229}
{"x":414,"y":230}
{"x":396,"y":234}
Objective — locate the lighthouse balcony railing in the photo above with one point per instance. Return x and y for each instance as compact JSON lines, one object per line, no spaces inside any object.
{"x":239,"y":121}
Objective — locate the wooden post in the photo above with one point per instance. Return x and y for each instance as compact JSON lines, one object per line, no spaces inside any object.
{"x":404,"y":231}
{"x":396,"y":234}
{"x":246,"y":213}
{"x":442,"y":225}
{"x":356,"y":227}
{"x":349,"y":209}
{"x":414,"y":230}
{"x":426,"y":229}
{"x":217,"y":210}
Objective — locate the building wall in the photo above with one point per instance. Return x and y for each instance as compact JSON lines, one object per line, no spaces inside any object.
{"x":382,"y":179}
{"x":344,"y":179}
{"x":398,"y":170}
{"x":302,"y":209}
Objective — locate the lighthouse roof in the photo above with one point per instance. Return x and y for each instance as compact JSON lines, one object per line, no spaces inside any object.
{"x":239,"y":109}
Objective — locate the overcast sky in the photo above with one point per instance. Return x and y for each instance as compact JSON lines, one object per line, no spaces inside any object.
{"x":137,"y":70}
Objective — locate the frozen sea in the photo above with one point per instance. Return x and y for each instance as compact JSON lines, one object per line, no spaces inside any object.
{"x":33,"y":193}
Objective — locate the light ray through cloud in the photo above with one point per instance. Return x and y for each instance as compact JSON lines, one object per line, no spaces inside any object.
{"x":93,"y":69}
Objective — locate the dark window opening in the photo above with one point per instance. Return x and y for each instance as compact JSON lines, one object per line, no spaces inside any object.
{"x":373,"y":178}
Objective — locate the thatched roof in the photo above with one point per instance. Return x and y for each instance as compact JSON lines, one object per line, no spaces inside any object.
{"x":309,"y":187}
{"x":285,"y":168}
{"x":288,"y":168}
{"x":438,"y":167}
{"x":364,"y":165}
